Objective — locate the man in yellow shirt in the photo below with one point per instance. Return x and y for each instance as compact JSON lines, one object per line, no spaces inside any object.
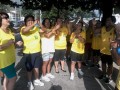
{"x":107,"y":34}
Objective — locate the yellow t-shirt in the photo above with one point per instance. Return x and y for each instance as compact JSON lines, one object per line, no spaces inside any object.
{"x":31,"y":41}
{"x":7,"y":56}
{"x":118,"y":80}
{"x":96,"y":42}
{"x":78,"y":46}
{"x":105,"y":40}
{"x":60,"y":41}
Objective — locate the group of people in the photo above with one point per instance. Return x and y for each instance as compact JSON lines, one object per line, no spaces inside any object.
{"x":44,"y":42}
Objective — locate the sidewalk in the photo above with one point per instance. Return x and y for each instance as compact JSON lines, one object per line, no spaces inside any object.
{"x":88,"y":81}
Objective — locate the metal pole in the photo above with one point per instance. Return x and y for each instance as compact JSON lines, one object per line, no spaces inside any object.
{"x":40,"y":16}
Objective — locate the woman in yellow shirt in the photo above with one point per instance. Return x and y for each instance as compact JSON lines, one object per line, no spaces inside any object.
{"x":96,"y":42}
{"x":60,"y":45}
{"x":77,"y":50}
{"x":7,"y":53}
{"x":32,"y":49}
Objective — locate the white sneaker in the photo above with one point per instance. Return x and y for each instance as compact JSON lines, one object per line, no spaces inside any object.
{"x":72,"y":76}
{"x":45,"y":78}
{"x":80,"y":72}
{"x":30,"y":86}
{"x":49,"y":75}
{"x":38,"y":82}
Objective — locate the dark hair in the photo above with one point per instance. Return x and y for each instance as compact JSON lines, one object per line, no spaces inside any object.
{"x":2,"y":14}
{"x":81,"y":23}
{"x":58,"y":18}
{"x":28,"y":16}
{"x":113,"y":19}
{"x":43,"y":22}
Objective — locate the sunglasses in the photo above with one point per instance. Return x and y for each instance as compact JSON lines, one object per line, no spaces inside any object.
{"x":5,"y":17}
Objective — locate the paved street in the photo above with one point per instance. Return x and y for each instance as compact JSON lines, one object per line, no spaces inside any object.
{"x":61,"y":82}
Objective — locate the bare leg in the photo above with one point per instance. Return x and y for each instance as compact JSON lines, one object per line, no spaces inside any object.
{"x":73,"y":66}
{"x":104,"y":68}
{"x":29,"y":76}
{"x":11,"y":83}
{"x":49,"y":66}
{"x":62,"y":64}
{"x":44,"y":67}
{"x":5,"y":83}
{"x":56,"y":66}
{"x":109,"y":71}
{"x":36,"y":73}
{"x":79,"y":65}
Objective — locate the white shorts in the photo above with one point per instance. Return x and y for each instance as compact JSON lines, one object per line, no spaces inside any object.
{"x":47,"y":56}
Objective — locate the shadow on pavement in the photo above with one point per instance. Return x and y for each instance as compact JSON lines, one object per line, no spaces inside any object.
{"x":21,"y":83}
{"x":56,"y":87}
{"x":115,"y":74}
{"x":92,"y":82}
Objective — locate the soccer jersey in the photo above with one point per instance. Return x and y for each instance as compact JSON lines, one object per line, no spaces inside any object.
{"x":96,"y":42}
{"x":7,"y":56}
{"x":105,"y":40}
{"x":60,"y":41}
{"x":31,"y":41}
{"x":77,"y":45}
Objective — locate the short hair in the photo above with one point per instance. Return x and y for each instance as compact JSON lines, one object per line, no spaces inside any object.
{"x":2,"y":14}
{"x":81,"y":23}
{"x":28,"y":16}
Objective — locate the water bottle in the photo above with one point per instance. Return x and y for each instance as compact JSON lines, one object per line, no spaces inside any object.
{"x":118,"y":50}
{"x":36,"y":26}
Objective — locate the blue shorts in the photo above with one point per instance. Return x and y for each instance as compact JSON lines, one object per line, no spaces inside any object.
{"x":9,"y":71}
{"x":33,"y":60}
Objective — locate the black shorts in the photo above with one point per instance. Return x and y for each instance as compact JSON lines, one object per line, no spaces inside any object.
{"x":96,"y":52}
{"x":59,"y":54}
{"x":76,"y":56}
{"x":106,"y":59}
{"x":33,"y":60}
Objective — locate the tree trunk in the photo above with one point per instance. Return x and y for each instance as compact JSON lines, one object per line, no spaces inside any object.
{"x":107,"y":9}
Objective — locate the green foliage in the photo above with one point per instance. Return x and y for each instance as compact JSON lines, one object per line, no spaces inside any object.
{"x":4,"y":8}
{"x":50,"y":14}
{"x":69,"y":13}
{"x":27,"y":11}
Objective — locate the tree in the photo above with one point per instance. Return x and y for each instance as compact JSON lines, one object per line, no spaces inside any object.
{"x":27,"y":11}
{"x":105,"y":6}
